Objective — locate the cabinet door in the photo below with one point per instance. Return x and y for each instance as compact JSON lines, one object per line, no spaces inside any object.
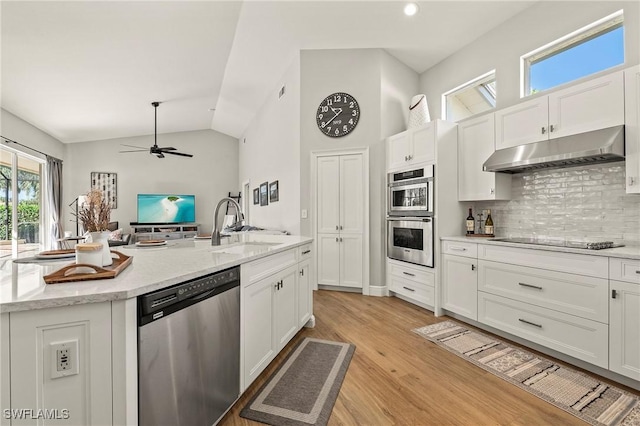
{"x":351,"y":260}
{"x":305,"y":292}
{"x":328,"y":259}
{"x":423,"y":142}
{"x":259,"y":339}
{"x":285,"y":313}
{"x":475,"y":145}
{"x":595,"y":104}
{"x":328,"y":194}
{"x":632,"y":128}
{"x":351,"y":193}
{"x":459,"y":285}
{"x":624,"y":329}
{"x":523,"y":123}
{"x":398,"y":150}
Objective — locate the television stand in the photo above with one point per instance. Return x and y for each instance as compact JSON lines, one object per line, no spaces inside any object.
{"x":171,"y":231}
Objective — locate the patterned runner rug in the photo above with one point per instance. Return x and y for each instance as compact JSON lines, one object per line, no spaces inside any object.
{"x":304,"y":388}
{"x":595,"y":402}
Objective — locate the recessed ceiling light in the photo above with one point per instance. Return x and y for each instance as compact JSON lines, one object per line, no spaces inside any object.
{"x":411,"y":9}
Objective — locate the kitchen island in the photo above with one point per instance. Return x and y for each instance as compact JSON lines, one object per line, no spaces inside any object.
{"x":100,"y":318}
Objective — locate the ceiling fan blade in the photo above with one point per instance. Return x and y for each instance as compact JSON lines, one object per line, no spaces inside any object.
{"x":133,"y":146}
{"x":179,"y":153}
{"x":167,"y":148}
{"x":159,"y":155}
{"x":136,"y":150}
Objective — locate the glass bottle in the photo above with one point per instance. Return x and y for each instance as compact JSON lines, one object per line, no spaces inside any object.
{"x":488,"y":224}
{"x":470,"y":223}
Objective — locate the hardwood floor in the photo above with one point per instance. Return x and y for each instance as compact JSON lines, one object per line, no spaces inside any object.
{"x":397,"y":377}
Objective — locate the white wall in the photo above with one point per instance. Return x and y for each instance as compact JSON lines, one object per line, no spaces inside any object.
{"x":15,"y":128}
{"x":501,"y":48}
{"x":398,"y":84}
{"x":210,"y":174}
{"x":270,"y":150}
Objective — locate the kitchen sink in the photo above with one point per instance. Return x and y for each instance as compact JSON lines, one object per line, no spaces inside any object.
{"x":244,"y":248}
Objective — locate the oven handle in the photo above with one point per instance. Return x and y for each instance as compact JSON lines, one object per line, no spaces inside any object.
{"x":402,"y":184}
{"x":408,"y":219}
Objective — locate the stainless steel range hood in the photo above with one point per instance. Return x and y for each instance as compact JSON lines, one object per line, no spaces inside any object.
{"x":598,"y":146}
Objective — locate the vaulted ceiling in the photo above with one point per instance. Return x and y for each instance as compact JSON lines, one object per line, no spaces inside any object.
{"x":89,"y":70}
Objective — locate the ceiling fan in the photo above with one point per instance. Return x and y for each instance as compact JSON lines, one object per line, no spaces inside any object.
{"x":155,"y":149}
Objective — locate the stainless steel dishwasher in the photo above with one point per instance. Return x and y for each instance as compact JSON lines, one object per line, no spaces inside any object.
{"x":189,"y":351}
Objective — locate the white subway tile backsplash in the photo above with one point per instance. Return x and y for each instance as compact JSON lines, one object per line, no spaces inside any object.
{"x":581,"y":203}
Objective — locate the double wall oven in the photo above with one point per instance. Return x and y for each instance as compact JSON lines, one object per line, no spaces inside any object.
{"x":410,"y":215}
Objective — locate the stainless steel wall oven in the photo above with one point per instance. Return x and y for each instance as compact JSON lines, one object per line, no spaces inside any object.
{"x":410,"y":239}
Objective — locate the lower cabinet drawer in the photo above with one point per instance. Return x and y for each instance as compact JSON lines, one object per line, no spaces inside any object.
{"x":420,"y":292}
{"x":577,"y":337}
{"x":579,"y":295}
{"x":411,"y":273}
{"x":627,"y":270}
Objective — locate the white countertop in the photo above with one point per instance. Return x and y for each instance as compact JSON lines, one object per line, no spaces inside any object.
{"x":23,"y":288}
{"x":627,"y":252}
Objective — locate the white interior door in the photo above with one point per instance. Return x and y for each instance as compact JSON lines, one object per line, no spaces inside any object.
{"x":328,"y":259}
{"x":328,"y":195}
{"x":351,"y":260}
{"x":351,"y":194}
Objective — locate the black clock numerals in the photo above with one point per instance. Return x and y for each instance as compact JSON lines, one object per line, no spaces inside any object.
{"x":337,"y":114}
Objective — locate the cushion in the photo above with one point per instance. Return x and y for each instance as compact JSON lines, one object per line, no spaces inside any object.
{"x":116,"y":235}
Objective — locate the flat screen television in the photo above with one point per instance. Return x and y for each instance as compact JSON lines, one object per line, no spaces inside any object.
{"x":166,"y":208}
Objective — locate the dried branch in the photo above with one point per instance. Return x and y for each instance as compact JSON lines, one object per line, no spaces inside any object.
{"x":95,"y":212}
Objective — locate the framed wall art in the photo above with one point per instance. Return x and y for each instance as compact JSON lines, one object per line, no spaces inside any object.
{"x":256,"y":196}
{"x":264,"y":194}
{"x":273,"y":191}
{"x":107,"y":183}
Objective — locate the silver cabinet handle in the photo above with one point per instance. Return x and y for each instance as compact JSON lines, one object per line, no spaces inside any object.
{"x":492,"y":190}
{"x":302,"y":272}
{"x":408,"y":288}
{"x":340,"y":239}
{"x":306,"y":252}
{"x":336,"y":239}
{"x":410,"y":157}
{"x":632,"y":181}
{"x":551,"y":128}
{"x":341,"y":227}
{"x":638,"y":272}
{"x":614,"y":294}
{"x":530,"y":323}
{"x":530,"y":286}
{"x":544,"y":130}
{"x":406,"y":158}
{"x":336,"y":227}
{"x":457,"y":248}
{"x":473,"y":267}
{"x":408,"y":273}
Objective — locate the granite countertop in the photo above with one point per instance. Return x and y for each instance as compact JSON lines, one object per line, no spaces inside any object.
{"x":628,"y":251}
{"x":23,"y":288}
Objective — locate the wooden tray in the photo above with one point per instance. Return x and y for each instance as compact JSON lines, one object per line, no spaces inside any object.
{"x":66,"y":275}
{"x":480,"y":235}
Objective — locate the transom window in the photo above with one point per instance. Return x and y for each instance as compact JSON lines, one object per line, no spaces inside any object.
{"x":473,"y":97}
{"x":591,"y":49}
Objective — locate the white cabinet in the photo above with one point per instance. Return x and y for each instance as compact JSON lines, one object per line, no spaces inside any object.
{"x":412,"y":282}
{"x":476,"y":142}
{"x":276,"y":301}
{"x":85,"y":389}
{"x":341,"y":218}
{"x":459,"y":285}
{"x":624,"y":329}
{"x":632,"y":128}
{"x":592,"y":105}
{"x":411,"y":147}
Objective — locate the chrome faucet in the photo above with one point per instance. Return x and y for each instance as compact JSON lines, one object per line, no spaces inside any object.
{"x":215,"y":235}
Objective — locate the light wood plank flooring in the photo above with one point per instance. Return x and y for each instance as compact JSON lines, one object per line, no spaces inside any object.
{"x":398,"y":378}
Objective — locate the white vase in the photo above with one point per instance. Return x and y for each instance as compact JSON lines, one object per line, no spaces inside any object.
{"x":102,"y":237}
{"x":418,"y":111}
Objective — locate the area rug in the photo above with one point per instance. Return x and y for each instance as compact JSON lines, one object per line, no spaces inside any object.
{"x":304,"y":388}
{"x":593,"y":401}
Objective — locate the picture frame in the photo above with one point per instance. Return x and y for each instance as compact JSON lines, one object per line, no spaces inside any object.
{"x":256,"y":196}
{"x":264,"y":194}
{"x":273,"y":192}
{"x":106,"y":182}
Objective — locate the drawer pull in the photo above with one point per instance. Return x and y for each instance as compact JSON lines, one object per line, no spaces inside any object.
{"x":409,"y":273}
{"x":530,"y":323}
{"x":530,"y":286}
{"x":458,"y":248}
{"x":638,"y":272}
{"x":473,"y":267}
{"x":306,"y":252}
{"x":614,"y":294}
{"x":407,"y":288}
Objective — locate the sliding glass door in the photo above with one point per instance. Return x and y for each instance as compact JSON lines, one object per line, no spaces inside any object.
{"x":21,"y":203}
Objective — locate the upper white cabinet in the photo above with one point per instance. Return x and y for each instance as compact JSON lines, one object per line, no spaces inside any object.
{"x":475,"y":145}
{"x":594,"y":104}
{"x":411,"y":147}
{"x":632,"y":128}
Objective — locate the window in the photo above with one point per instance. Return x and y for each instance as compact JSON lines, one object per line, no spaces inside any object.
{"x":473,"y":97}
{"x":589,"y":50}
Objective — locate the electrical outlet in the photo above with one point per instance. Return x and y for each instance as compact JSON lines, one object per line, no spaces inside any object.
{"x":304,"y":213}
{"x":64,"y":358}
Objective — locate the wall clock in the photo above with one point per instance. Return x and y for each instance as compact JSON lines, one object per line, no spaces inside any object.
{"x":338,"y":114}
